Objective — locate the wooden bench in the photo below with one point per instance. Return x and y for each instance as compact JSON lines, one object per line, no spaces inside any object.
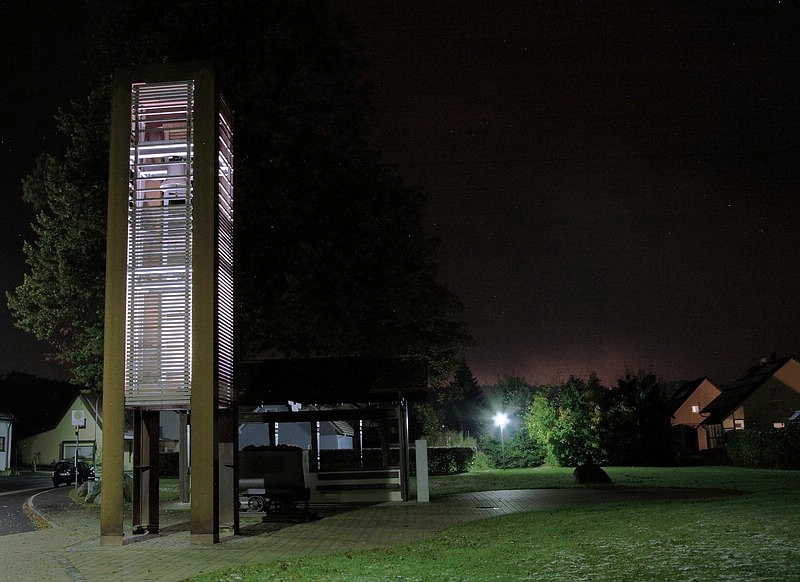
{"x":356,"y":486}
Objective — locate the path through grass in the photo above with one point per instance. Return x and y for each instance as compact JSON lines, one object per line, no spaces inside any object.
{"x":742,"y":538}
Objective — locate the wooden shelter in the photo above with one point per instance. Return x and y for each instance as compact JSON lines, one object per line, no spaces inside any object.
{"x":368,"y":393}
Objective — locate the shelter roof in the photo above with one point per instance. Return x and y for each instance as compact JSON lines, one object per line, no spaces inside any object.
{"x":5,"y":411}
{"x":332,"y":380}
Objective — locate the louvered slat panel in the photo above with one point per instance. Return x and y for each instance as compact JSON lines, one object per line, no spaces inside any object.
{"x":158,"y":354}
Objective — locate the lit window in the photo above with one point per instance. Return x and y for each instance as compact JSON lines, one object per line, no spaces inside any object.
{"x":738,"y":424}
{"x":778,"y":425}
{"x":695,"y":409}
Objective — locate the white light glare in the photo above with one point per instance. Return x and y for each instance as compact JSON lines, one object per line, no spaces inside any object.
{"x":501,"y":419}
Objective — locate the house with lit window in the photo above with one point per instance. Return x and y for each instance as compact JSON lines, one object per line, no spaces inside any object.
{"x":765,"y":397}
{"x":687,"y":404}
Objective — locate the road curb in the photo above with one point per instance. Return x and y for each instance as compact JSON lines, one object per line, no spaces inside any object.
{"x":39,"y":518}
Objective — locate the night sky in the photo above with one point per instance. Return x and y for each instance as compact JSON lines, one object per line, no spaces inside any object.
{"x":40,"y":55}
{"x":612,"y":187}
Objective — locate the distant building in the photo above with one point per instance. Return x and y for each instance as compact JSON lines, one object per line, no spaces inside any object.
{"x":332,"y":434}
{"x":43,"y":411}
{"x":44,"y":443}
{"x":687,"y":404}
{"x":765,"y":397}
{"x":6,"y":422}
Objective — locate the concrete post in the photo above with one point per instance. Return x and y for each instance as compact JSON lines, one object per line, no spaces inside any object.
{"x":423,"y":487}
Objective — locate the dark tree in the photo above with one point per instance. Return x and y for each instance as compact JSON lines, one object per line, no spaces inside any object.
{"x":331,"y":257}
{"x":635,"y":429}
{"x":460,"y":404}
{"x":514,"y":394}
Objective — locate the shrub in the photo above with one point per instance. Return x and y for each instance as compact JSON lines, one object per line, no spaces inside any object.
{"x":450,"y":460}
{"x":518,"y":452}
{"x":481,"y":462}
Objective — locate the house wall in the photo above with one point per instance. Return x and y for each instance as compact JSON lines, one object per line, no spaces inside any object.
{"x":701,"y":397}
{"x":702,"y":438}
{"x":715,"y":435}
{"x":789,"y":376}
{"x":169,"y":426}
{"x":772,"y":403}
{"x":776,"y":399}
{"x":5,"y":440}
{"x":734,"y":419}
{"x":297,"y":434}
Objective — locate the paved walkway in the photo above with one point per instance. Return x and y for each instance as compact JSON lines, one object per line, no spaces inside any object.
{"x":69,"y":550}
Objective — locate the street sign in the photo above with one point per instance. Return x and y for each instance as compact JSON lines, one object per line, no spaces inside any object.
{"x":78,"y":419}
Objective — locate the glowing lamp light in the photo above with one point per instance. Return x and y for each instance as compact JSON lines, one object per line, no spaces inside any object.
{"x":501,"y":420}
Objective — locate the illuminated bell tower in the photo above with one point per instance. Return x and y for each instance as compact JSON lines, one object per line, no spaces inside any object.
{"x":169,"y":292}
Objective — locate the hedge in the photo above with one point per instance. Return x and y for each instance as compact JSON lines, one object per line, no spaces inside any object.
{"x":348,"y":459}
{"x":774,"y":448}
{"x":441,"y":460}
{"x":450,"y":460}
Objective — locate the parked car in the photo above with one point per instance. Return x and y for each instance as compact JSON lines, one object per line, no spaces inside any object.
{"x":64,"y":472}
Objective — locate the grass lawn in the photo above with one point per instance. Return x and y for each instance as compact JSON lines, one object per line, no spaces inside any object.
{"x":752,"y":537}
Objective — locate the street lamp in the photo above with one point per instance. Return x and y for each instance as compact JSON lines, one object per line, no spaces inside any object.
{"x":501,"y":420}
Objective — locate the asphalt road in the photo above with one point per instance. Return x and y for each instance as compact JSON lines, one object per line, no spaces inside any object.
{"x":14,"y":491}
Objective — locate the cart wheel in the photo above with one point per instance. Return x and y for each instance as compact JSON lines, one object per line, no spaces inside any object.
{"x":255,"y":503}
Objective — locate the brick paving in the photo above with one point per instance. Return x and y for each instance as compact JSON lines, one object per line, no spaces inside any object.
{"x":70,"y":549}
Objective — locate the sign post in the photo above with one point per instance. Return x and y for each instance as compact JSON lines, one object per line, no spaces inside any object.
{"x":78,"y":422}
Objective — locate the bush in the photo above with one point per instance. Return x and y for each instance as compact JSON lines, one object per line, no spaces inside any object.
{"x":481,"y":462}
{"x":775,"y":448}
{"x":518,"y":452}
{"x":450,"y":460}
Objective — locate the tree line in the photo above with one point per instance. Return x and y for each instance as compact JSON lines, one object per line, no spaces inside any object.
{"x":565,"y":423}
